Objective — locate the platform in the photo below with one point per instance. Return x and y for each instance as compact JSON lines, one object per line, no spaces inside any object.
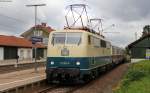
{"x":14,"y":62}
{"x":136,"y":60}
{"x":20,"y":78}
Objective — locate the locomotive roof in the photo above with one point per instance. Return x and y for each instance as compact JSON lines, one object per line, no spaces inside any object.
{"x":83,"y":30}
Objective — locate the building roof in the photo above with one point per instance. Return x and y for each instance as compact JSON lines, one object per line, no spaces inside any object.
{"x":39,"y":45}
{"x":135,"y":42}
{"x":17,"y":42}
{"x":42,"y":27}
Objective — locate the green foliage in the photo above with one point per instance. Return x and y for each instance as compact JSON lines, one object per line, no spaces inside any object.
{"x":146,"y":29}
{"x":137,"y":80}
{"x":133,"y":75}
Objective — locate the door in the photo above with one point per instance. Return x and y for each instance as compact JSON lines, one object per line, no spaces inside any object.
{"x":148,"y":53}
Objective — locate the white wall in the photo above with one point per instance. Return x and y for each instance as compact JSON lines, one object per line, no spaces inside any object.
{"x":25,"y":53}
{"x":1,"y":53}
{"x":45,"y":53}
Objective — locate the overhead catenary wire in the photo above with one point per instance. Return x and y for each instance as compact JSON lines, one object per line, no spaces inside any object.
{"x":5,"y":0}
{"x":12,"y":18}
{"x":14,"y":23}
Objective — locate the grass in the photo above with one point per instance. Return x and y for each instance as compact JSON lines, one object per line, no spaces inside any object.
{"x":137,"y":79}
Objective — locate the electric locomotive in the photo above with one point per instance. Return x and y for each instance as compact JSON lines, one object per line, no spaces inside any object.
{"x":77,"y":54}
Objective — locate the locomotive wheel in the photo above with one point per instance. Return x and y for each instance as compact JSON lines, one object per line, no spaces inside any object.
{"x":49,"y":81}
{"x":107,"y":67}
{"x":94,"y":74}
{"x":87,"y":78}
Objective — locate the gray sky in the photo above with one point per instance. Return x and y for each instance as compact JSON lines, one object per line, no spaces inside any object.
{"x":129,"y":16}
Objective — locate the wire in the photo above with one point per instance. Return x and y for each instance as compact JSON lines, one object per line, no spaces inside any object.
{"x":9,"y":27}
{"x":12,"y":18}
{"x":5,"y":0}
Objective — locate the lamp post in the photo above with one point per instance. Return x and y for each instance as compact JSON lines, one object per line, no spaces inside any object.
{"x":35,"y":22}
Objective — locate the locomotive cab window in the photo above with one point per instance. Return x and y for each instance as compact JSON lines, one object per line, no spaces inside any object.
{"x":66,"y":38}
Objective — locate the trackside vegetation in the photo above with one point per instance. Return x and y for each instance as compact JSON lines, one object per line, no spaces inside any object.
{"x":137,"y":79}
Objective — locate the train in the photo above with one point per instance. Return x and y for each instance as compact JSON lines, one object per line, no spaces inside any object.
{"x":79,"y":54}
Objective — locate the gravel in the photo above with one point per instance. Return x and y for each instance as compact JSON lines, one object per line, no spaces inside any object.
{"x":106,"y":82}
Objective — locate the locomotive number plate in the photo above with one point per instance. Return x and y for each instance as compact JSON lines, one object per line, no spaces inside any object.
{"x":65,"y":63}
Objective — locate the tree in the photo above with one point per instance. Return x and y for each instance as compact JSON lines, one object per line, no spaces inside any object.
{"x":146,"y":30}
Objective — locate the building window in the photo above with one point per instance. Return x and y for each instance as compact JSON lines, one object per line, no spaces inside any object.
{"x":29,"y":54}
{"x":38,"y":33}
{"x":10,"y":52}
{"x":21,"y":53}
{"x":45,"y":41}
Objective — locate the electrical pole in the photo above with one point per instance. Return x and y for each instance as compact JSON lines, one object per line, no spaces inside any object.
{"x":35,"y":23}
{"x":136,"y":35}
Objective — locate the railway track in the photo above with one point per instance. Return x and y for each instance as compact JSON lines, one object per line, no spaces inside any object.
{"x":46,"y":90}
{"x":60,"y":89}
{"x":74,"y":89}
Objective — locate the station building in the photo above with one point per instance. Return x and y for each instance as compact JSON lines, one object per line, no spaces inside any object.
{"x":140,"y":49}
{"x":42,"y":30}
{"x":12,"y":47}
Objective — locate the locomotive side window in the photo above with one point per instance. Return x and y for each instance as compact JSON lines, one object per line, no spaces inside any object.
{"x":95,"y":41}
{"x":66,"y":38}
{"x":103,"y":43}
{"x":89,"y":39}
{"x":108,"y":45}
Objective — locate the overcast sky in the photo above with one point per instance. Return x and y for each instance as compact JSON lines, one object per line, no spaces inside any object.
{"x":129,"y":16}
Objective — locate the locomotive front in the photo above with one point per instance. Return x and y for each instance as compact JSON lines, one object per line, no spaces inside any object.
{"x":66,"y":55}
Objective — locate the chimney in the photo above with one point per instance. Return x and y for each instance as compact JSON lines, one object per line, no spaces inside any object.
{"x":44,"y":24}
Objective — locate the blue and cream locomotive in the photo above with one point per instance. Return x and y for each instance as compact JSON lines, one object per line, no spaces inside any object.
{"x":79,"y":54}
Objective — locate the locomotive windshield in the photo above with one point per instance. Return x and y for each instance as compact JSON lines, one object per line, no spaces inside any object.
{"x":66,"y":38}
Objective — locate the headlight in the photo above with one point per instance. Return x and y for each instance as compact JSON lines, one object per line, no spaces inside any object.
{"x":78,"y":63}
{"x":52,"y":62}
